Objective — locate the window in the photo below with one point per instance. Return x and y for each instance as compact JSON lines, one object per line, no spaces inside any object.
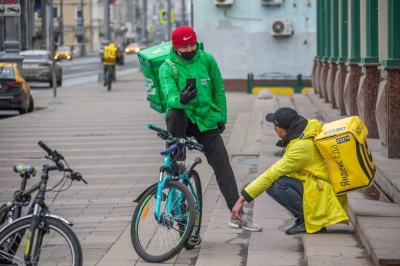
{"x":78,"y":12}
{"x":56,"y":13}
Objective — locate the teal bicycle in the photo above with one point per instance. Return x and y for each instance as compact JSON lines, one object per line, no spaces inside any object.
{"x":167,"y":217}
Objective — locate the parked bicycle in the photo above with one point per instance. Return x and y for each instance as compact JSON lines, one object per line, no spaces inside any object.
{"x":42,"y":238}
{"x":168,"y":215}
{"x":13,"y":209}
{"x":109,"y":76}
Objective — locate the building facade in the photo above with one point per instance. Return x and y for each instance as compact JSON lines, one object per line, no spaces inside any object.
{"x":241,"y":37}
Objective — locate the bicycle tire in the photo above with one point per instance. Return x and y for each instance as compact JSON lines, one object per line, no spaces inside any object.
{"x":109,"y":80}
{"x":3,"y":215}
{"x":58,"y":236}
{"x":196,"y":182}
{"x":148,"y":244}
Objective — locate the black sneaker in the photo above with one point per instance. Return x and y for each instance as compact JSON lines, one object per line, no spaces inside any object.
{"x":295,"y":224}
{"x":299,"y":229}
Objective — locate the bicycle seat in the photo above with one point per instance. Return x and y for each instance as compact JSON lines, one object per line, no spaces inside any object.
{"x":21,"y":168}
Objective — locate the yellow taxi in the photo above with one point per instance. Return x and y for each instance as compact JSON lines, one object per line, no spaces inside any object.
{"x":132,"y":48}
{"x":15,"y":93}
{"x":63,"y":52}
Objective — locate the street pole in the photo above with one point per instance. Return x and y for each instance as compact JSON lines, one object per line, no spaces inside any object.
{"x":169,"y":19}
{"x":106,"y":38}
{"x":11,"y":44}
{"x":44,"y":24}
{"x":183,"y":13}
{"x":61,"y":24}
{"x":83,"y":47}
{"x":144,"y":24}
{"x":52,"y":51}
{"x":49,"y":15}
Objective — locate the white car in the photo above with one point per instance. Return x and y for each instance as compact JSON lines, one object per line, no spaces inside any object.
{"x":37,"y":66}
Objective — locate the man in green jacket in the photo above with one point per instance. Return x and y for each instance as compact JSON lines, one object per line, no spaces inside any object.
{"x":199,"y":109}
{"x":299,"y":181}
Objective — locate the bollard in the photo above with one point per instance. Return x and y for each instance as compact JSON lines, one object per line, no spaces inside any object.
{"x":250,"y":82}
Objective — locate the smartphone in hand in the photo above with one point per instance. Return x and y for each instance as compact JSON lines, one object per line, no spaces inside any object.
{"x":190,"y":81}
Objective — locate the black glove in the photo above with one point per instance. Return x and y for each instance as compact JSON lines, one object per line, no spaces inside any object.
{"x":221,"y":127}
{"x":188,"y":94}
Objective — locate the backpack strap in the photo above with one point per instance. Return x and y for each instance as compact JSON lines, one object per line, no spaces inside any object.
{"x":174,"y":70}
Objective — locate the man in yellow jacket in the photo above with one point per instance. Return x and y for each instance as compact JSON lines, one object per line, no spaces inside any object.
{"x":109,"y":60}
{"x":299,"y":180}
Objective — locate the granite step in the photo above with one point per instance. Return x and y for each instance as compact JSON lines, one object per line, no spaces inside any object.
{"x":376,"y":222}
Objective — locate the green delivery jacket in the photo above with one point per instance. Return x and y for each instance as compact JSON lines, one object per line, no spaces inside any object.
{"x":303,"y":161}
{"x":209,"y":107}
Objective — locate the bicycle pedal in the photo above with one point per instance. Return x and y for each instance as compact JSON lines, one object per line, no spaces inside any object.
{"x":194,"y":240}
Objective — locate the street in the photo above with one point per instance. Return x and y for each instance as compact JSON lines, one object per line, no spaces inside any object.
{"x":85,"y":69}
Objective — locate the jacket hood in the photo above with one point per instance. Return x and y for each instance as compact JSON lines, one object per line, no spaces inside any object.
{"x":313,"y":128}
{"x":300,"y":128}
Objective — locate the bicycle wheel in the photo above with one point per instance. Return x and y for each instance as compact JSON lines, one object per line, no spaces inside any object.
{"x":5,"y":217}
{"x":109,"y":79}
{"x":60,"y":246}
{"x":194,"y":240}
{"x":159,"y":241}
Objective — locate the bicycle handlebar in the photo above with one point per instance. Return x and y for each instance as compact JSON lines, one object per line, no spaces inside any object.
{"x":56,"y":158}
{"x":188,"y":142}
{"x":44,"y":147}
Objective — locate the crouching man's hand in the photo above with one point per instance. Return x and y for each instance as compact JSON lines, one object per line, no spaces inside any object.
{"x":238,"y":209}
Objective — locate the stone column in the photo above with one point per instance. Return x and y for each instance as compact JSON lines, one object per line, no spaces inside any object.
{"x":330,"y":84}
{"x":369,"y":82}
{"x":367,"y":96}
{"x":340,"y":80}
{"x":341,"y":71}
{"x":316,"y":67}
{"x":353,"y":68}
{"x":325,"y":47}
{"x":317,"y":87}
{"x":388,"y":102}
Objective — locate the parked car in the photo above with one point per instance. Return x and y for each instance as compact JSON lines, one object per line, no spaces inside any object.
{"x":132,"y":48}
{"x":37,"y":66}
{"x":63,"y":52}
{"x":15,"y":93}
{"x":120,"y":56}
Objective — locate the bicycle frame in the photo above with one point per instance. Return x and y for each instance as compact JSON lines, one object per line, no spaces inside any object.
{"x":37,"y":215}
{"x":167,"y":168}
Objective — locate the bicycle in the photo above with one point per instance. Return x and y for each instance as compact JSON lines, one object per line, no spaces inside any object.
{"x":13,"y":209}
{"x":175,"y":200}
{"x":47,"y":237}
{"x":109,"y":76}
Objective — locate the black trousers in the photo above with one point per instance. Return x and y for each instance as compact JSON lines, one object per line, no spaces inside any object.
{"x":179,"y":125}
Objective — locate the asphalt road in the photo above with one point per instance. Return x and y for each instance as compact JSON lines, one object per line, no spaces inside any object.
{"x":82,"y":70}
{"x":79,"y":71}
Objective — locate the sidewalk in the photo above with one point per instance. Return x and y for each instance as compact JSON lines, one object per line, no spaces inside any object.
{"x":103,"y":135}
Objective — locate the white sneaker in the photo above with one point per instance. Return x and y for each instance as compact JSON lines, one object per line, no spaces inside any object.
{"x":246,"y":224}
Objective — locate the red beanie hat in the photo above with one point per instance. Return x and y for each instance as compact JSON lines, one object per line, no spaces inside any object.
{"x":183,"y":35}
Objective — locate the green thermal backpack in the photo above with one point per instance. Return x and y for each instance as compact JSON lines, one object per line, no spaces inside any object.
{"x":150,"y":61}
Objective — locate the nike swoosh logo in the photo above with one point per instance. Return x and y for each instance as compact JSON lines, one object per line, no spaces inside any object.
{"x":185,"y":39}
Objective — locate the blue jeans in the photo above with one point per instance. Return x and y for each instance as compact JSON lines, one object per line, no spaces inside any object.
{"x":288,"y":192}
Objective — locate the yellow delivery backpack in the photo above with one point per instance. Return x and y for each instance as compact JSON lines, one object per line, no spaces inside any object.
{"x":343,"y":144}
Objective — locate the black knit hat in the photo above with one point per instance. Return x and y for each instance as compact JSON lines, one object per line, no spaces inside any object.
{"x":283,"y":117}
